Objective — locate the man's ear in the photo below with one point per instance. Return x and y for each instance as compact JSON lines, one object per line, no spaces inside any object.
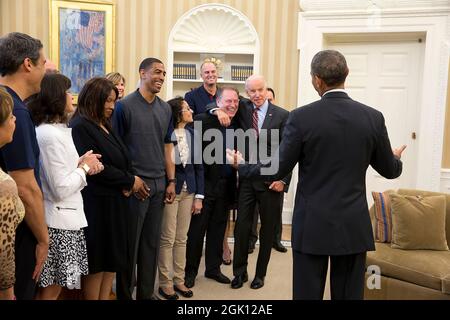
{"x":319,"y":82}
{"x":27,"y":64}
{"x":142,"y":74}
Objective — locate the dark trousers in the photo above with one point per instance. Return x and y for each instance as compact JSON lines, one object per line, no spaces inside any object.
{"x":268,"y":203}
{"x":25,"y":286}
{"x":213,"y":222}
{"x":144,"y":236}
{"x":346,"y":276}
{"x":278,"y":226}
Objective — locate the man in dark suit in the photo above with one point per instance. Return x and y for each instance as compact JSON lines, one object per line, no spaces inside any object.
{"x":265,"y":119}
{"x":220,"y":183}
{"x":277,"y":245}
{"x":333,"y":140}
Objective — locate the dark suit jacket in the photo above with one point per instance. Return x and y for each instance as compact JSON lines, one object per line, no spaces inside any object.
{"x":192,"y":173}
{"x":214,"y":172}
{"x":118,"y":174}
{"x":333,"y":140}
{"x":275,"y":119}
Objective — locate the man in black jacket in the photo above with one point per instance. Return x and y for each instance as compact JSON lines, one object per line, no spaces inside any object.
{"x":333,"y":140}
{"x":220,"y":183}
{"x":266,"y":121}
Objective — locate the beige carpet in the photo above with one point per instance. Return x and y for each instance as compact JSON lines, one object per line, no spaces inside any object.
{"x":278,"y":282}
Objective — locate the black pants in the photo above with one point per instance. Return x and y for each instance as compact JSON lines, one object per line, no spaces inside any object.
{"x":25,"y":286}
{"x":212,"y":222}
{"x":144,"y":237}
{"x":346,"y":276}
{"x":268,"y":203}
{"x":278,"y":226}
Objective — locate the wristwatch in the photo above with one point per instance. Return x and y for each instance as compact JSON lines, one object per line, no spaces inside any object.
{"x":172,"y":180}
{"x":85,"y":168}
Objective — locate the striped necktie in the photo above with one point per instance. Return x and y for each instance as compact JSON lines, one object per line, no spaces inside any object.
{"x":255,"y":121}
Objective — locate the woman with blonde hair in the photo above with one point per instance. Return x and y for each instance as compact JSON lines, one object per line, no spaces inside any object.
{"x":119,"y":82}
{"x":12,"y":210}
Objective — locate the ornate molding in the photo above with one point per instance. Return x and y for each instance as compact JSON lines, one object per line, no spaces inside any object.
{"x":215,"y":28}
{"x":351,"y":5}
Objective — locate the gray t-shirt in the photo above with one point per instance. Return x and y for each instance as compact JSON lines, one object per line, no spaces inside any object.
{"x":145,"y":128}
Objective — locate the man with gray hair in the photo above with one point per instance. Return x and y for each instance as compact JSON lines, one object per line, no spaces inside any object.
{"x":267,"y":122}
{"x":333,"y":140}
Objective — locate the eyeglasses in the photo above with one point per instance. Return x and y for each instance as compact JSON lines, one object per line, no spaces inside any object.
{"x":187,"y":110}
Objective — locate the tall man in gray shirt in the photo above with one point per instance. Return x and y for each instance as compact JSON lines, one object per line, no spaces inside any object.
{"x":144,"y":122}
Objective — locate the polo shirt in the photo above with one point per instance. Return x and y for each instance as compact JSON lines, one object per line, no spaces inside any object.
{"x":198,"y":99}
{"x":23,"y":151}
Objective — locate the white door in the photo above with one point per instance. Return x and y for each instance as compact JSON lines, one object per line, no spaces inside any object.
{"x":387,"y":77}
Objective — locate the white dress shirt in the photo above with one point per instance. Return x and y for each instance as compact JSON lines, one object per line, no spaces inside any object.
{"x":62,"y":180}
{"x":334,"y":90}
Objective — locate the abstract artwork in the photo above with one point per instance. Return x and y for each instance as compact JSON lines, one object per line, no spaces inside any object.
{"x":82,"y":45}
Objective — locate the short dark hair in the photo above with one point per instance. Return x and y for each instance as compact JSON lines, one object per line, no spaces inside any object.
{"x":92,"y":99}
{"x":271,"y":90}
{"x":148,"y":63}
{"x":15,"y":47}
{"x":225,"y":88}
{"x":330,"y":66}
{"x":177,"y":106}
{"x":49,"y":105}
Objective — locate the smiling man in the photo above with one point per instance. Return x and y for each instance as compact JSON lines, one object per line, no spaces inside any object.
{"x":200,"y":97}
{"x":144,"y":121}
{"x":220,"y":185}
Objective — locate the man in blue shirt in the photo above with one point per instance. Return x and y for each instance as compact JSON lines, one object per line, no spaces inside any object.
{"x":200,"y":97}
{"x":22,"y":67}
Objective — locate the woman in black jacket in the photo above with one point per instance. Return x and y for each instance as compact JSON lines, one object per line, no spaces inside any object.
{"x":105,"y":197}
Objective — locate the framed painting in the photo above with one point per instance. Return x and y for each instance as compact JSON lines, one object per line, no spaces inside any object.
{"x":82,"y":39}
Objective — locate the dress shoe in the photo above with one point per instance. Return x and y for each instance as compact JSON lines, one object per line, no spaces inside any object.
{"x":186,"y":294}
{"x":219,"y":277}
{"x":279,"y":247}
{"x":189,"y":281}
{"x":239,"y":280}
{"x":167,"y":296}
{"x":257,"y":283}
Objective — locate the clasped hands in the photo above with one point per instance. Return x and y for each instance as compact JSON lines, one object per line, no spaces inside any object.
{"x":91,"y":159}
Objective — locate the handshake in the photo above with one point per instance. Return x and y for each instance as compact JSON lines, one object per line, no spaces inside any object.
{"x":234,"y":158}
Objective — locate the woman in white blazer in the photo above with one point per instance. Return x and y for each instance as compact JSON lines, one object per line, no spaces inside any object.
{"x":63,"y":175}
